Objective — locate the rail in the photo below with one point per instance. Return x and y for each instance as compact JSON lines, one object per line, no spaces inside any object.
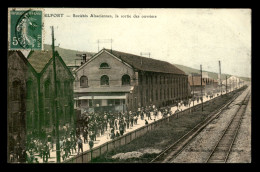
{"x":177,"y":147}
{"x":223,"y":147}
{"x":89,"y":155}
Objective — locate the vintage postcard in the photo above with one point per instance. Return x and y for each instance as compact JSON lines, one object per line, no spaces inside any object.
{"x":129,"y":85}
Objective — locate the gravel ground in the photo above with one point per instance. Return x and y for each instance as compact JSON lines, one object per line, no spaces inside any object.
{"x":136,"y":154}
{"x":241,"y":150}
{"x":199,"y":149}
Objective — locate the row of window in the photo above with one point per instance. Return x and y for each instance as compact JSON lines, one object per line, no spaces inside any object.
{"x":166,"y":93}
{"x":60,"y":91}
{"x":104,"y":80}
{"x":159,"y":94}
{"x":160,"y":79}
{"x":18,"y":93}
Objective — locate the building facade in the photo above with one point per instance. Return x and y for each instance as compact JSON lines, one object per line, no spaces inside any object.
{"x":30,"y":94}
{"x":126,"y":81}
{"x":42,"y":62}
{"x":207,"y":84}
{"x":22,"y":96}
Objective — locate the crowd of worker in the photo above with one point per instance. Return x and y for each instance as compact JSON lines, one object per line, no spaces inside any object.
{"x":88,"y":127}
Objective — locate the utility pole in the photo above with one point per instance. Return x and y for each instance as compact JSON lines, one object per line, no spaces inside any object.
{"x":201,"y":87}
{"x":55,"y":100}
{"x":220,"y":77}
{"x":192,"y":88}
{"x":226,"y":84}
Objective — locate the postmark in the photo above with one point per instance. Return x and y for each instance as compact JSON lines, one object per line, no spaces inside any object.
{"x":26,"y":29}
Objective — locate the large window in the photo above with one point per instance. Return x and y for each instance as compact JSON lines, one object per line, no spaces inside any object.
{"x":28,"y":89}
{"x":47,"y":89}
{"x":152,"y":94}
{"x":125,"y":80}
{"x":66,"y":88}
{"x":16,"y":90}
{"x":140,"y":79}
{"x":104,"y":80}
{"x":104,"y":65}
{"x":147,"y":96}
{"x":83,"y":81}
{"x":59,"y":89}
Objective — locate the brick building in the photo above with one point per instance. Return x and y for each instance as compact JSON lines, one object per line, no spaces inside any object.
{"x":22,"y":95}
{"x":126,"y":81}
{"x":42,"y":62}
{"x":31,"y":90}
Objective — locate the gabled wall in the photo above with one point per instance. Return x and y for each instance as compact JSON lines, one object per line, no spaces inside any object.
{"x":115,"y":72}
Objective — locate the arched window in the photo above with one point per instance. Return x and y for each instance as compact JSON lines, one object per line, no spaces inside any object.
{"x":28,"y":89}
{"x":47,"y":89}
{"x":104,"y":80}
{"x":59,"y":88}
{"x":83,"y":81}
{"x":104,"y":65}
{"x":16,"y":90}
{"x":125,"y":80}
{"x":66,"y":88}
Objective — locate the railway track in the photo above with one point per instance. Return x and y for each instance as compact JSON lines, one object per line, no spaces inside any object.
{"x":176,"y":148}
{"x":223,"y":147}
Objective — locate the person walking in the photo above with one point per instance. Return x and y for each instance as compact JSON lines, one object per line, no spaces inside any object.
{"x":117,"y":134}
{"x":112,"y":135}
{"x":121,"y":129}
{"x":142,"y":115}
{"x":80,"y":146}
{"x":91,"y":144}
{"x":132,"y":120}
{"x":85,"y":135}
{"x":73,"y":145}
{"x":149,"y":115}
{"x":45,"y":152}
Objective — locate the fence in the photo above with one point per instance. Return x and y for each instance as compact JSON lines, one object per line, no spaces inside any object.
{"x":87,"y":156}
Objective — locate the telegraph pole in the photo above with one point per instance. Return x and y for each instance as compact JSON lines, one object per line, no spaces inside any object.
{"x":201,"y":87}
{"x":55,"y":100}
{"x":226,"y":84}
{"x":220,"y":77}
{"x":192,"y":88}
{"x":98,"y":45}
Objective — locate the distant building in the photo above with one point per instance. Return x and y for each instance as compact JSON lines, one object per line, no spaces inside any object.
{"x":113,"y":80}
{"x":232,"y":82}
{"x":208,"y":84}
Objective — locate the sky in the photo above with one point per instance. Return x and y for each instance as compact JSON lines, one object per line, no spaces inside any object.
{"x":190,"y":37}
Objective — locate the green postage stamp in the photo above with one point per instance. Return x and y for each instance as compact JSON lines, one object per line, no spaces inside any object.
{"x":25,"y":29}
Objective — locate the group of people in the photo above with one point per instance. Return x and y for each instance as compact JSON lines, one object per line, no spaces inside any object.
{"x":115,"y":124}
{"x":25,"y":151}
{"x":89,"y":127}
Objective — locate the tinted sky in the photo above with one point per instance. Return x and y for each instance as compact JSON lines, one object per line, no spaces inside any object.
{"x":182,"y":36}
